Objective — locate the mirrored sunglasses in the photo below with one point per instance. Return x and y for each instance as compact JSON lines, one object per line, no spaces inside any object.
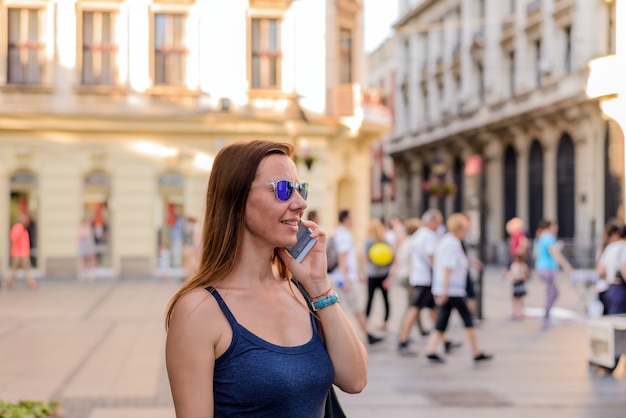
{"x":283,"y":189}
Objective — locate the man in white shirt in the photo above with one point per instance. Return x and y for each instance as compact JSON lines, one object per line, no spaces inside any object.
{"x":423,"y":244}
{"x":346,"y":275}
{"x":448,"y":286}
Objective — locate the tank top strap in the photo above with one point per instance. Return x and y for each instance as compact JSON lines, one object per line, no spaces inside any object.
{"x":223,"y":306}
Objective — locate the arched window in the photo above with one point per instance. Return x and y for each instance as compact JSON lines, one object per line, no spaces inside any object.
{"x":458,"y":180}
{"x":510,"y":184}
{"x":425,"y":195}
{"x":24,"y":201}
{"x":535,"y":186}
{"x":171,"y":213}
{"x":97,"y":187}
{"x":566,"y":187}
{"x":613,"y":174}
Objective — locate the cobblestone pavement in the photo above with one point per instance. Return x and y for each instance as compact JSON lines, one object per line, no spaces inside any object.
{"x":98,"y":347}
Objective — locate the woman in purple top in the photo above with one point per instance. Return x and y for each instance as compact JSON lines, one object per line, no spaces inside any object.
{"x":241,"y":340}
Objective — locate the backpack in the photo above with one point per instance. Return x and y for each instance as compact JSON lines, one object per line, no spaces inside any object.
{"x":332,"y":258}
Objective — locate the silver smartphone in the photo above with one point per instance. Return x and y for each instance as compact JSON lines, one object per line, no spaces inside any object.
{"x":304,"y":244}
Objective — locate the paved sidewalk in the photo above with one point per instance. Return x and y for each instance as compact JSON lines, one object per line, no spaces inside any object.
{"x":535,"y":372}
{"x":98,"y":347}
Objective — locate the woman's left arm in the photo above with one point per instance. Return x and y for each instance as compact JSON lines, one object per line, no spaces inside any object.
{"x":555,"y":251}
{"x":346,"y":351}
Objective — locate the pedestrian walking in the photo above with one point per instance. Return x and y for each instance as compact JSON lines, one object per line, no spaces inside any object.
{"x":345,"y":276}
{"x":549,"y":257}
{"x":86,"y":250}
{"x":20,"y":253}
{"x":401,"y":267}
{"x":377,"y":265}
{"x":450,"y":266}
{"x":519,"y":244}
{"x":241,"y":340}
{"x":518,"y":273}
{"x":395,"y":232}
{"x":609,"y":260}
{"x":423,"y":244}
{"x":314,"y":216}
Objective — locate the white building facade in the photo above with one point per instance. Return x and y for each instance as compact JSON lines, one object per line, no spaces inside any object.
{"x":114,"y":109}
{"x":497,"y":89}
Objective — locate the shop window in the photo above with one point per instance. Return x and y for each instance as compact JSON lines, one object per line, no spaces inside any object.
{"x":24,"y":201}
{"x":97,"y":192}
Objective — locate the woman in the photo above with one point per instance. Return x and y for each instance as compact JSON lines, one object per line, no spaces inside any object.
{"x":609,"y":260}
{"x":86,"y":250}
{"x":377,"y":272}
{"x":241,"y":341}
{"x":548,"y":259}
{"x":450,"y":269}
{"x":402,"y":258}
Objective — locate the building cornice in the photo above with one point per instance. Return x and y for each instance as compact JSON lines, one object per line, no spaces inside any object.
{"x":411,"y":14}
{"x":215,"y":124}
{"x":471,"y":127}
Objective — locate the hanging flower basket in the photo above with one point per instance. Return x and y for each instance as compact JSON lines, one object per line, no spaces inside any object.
{"x":307,"y":159}
{"x":438,"y":188}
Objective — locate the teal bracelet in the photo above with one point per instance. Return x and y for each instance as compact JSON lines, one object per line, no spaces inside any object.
{"x":325,"y":301}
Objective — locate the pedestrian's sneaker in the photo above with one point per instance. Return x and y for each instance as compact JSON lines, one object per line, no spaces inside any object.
{"x":449,"y":346}
{"x":405,"y":351}
{"x":434,"y":358}
{"x":482,"y":357}
{"x":372,"y":339}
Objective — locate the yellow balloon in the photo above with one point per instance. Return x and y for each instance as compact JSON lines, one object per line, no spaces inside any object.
{"x":381,"y":254}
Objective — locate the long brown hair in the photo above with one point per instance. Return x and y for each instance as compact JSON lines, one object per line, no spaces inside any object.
{"x":234,"y":169}
{"x":376,"y":230}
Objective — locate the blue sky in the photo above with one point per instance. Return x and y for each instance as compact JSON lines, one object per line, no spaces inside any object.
{"x":378,"y":17}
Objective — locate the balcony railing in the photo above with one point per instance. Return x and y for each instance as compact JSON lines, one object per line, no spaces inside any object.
{"x":348,"y":99}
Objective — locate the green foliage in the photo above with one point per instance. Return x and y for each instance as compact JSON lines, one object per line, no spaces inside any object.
{"x":29,"y":409}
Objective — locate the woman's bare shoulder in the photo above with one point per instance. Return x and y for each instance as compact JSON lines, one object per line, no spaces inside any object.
{"x":193,"y":308}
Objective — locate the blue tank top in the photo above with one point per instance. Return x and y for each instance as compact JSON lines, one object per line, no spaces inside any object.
{"x":255,"y":378}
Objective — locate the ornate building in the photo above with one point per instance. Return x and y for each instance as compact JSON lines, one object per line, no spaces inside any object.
{"x":492,"y":117}
{"x":114,"y":109}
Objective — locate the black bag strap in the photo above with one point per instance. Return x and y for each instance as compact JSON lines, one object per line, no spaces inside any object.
{"x":333,"y":407}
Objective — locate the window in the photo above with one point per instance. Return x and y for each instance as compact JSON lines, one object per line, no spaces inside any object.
{"x":25,"y":58}
{"x":459,"y":28}
{"x":99,"y":49}
{"x":480,"y":73}
{"x":512,"y":74}
{"x":538,"y":62}
{"x":426,"y":113}
{"x":170,"y":52}
{"x":568,"y":49}
{"x":425,"y":50}
{"x":345,"y":56}
{"x":457,"y":89}
{"x":611,"y":28}
{"x":266,"y":59}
